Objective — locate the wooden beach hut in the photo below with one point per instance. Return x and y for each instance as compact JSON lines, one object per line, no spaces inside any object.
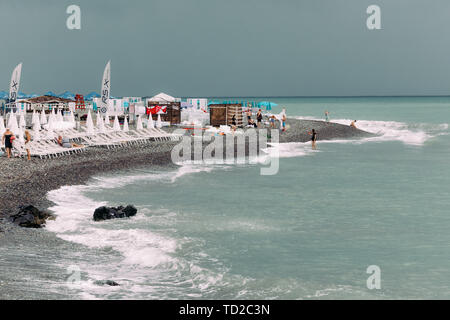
{"x":222,"y":114}
{"x":167,"y":106}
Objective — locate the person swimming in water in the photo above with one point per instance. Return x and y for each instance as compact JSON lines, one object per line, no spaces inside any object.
{"x":353,"y":124}
{"x":313,"y":134}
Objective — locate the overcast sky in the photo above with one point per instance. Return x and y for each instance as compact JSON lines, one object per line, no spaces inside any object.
{"x":229,"y":47}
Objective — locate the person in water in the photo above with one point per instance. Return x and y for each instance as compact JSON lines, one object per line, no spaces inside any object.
{"x":27,"y":144}
{"x":327,"y":119}
{"x":7,"y":139}
{"x":272,"y":121}
{"x":313,"y":134}
{"x":353,"y":124}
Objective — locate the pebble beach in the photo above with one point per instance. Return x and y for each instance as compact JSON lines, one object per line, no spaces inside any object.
{"x":27,"y":182}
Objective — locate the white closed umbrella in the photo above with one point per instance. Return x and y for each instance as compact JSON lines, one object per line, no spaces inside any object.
{"x":2,"y":127}
{"x":101,"y":125}
{"x":139,"y":123}
{"x":99,"y":120}
{"x":51,"y":122}
{"x":60,"y":116}
{"x":13,"y":126}
{"x":36,"y":133}
{"x":107,"y":122}
{"x":116,"y":126}
{"x":158,"y":122}
{"x":150,"y":123}
{"x":89,"y":124}
{"x":43,"y":119}
{"x":34,"y":118}
{"x":125,"y":125}
{"x":72,"y":117}
{"x":21,"y":138}
{"x":50,"y":133}
{"x":22,"y":122}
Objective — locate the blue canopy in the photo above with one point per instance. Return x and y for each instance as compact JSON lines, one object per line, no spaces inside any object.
{"x":267,"y":104}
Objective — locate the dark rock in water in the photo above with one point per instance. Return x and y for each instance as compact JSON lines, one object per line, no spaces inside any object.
{"x":30,"y":217}
{"x":107,"y":282}
{"x":106,"y":213}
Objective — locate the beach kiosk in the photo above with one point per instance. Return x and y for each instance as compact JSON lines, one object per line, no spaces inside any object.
{"x":169,"y":108}
{"x":222,"y":114}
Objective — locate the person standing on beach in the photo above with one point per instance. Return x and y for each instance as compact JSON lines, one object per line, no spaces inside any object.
{"x":7,"y":138}
{"x":313,"y":134}
{"x":327,"y":119}
{"x":249,"y":115}
{"x":259,"y":117}
{"x":233,"y":122}
{"x":27,"y":144}
{"x":283,"y":122}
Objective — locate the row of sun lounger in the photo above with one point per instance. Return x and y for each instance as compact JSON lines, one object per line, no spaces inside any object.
{"x":47,"y":146}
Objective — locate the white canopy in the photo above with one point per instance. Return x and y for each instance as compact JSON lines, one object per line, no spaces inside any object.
{"x":162,"y":97}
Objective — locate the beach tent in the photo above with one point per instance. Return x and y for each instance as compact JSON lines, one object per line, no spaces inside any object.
{"x":116,"y":126}
{"x":139,"y":123}
{"x":150,"y":123}
{"x":162,"y":97}
{"x":125,"y":125}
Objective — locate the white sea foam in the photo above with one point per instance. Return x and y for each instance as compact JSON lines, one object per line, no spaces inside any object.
{"x":411,"y":134}
{"x":141,"y":254}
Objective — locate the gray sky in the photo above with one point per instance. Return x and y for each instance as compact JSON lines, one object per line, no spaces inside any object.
{"x":229,"y":47}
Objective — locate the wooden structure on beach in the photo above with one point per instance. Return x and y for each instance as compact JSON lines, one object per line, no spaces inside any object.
{"x":172,"y":114}
{"x":222,"y":114}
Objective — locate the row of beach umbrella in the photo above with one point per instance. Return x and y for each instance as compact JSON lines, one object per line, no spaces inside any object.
{"x":100,"y":123}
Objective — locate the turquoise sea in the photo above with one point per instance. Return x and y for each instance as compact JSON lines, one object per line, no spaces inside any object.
{"x":308,"y":232}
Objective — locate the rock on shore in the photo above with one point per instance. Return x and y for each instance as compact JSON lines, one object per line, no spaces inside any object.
{"x":107,"y":213}
{"x":30,"y":217}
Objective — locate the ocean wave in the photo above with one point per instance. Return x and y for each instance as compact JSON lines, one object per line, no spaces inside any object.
{"x":415,"y":134}
{"x":141,"y":259}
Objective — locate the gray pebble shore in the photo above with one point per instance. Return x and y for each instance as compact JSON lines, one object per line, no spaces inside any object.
{"x":27,"y":182}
